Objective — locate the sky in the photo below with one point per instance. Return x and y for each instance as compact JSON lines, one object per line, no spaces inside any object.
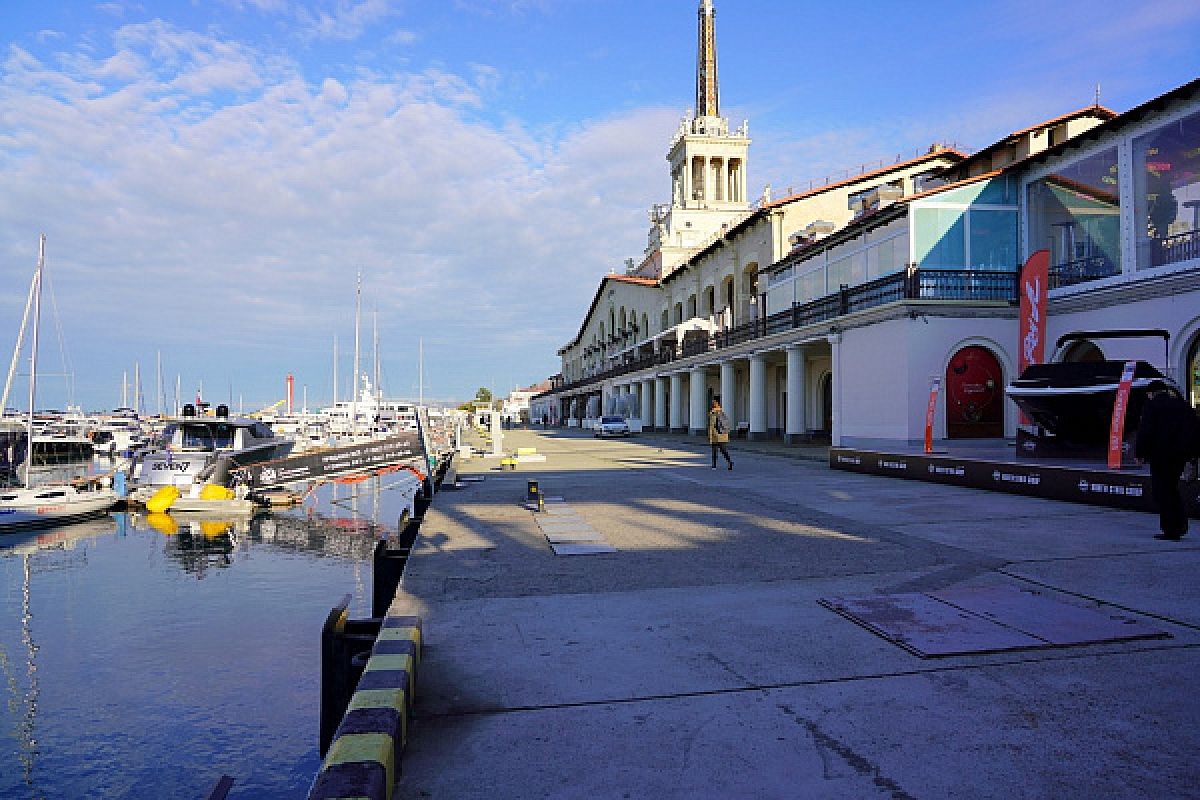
{"x":212,"y":175}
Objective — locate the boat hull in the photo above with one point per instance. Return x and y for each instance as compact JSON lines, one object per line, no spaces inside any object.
{"x":1073,"y":402}
{"x":21,"y":509}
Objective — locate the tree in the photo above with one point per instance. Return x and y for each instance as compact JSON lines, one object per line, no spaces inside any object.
{"x":483,"y":395}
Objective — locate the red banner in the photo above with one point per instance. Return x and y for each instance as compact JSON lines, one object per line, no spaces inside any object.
{"x":1034,"y":276}
{"x":934,"y":387}
{"x":1032,"y":295}
{"x":1116,"y":430}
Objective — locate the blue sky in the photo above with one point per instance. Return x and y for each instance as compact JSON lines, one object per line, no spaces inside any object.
{"x":210,"y":175}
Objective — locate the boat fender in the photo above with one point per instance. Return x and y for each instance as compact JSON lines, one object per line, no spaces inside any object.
{"x":161,"y":500}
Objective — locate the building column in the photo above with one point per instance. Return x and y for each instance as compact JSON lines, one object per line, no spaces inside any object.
{"x":676,"y":421}
{"x":835,"y":360}
{"x":697,"y":413}
{"x":660,"y":403}
{"x":797,"y":400}
{"x":729,"y":392}
{"x":758,"y":396}
{"x":644,"y":404}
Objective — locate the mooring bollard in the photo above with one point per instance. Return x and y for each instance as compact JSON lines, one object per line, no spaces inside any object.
{"x":342,"y":639}
{"x":533,"y":494}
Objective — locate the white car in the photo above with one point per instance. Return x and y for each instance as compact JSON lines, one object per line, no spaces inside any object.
{"x":612,"y":426}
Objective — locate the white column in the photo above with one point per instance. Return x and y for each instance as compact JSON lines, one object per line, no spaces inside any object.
{"x":676,"y":421}
{"x":758,"y":396}
{"x":797,"y":422}
{"x":660,"y":403}
{"x":729,"y":391}
{"x":644,"y":401}
{"x":835,"y":353}
{"x":697,"y":413}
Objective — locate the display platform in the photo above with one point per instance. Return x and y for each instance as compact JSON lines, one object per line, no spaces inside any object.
{"x":997,"y":468}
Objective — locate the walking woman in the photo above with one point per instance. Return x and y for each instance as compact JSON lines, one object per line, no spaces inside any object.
{"x":718,"y":433}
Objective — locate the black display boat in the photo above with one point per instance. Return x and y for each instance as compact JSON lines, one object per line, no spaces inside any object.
{"x":1073,"y":401}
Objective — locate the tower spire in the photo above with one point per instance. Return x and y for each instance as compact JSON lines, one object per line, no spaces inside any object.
{"x":708,"y":103}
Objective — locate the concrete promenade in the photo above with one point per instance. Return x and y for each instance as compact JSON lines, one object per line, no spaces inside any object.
{"x":695,"y":661}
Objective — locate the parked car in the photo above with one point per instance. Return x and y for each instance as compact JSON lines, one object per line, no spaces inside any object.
{"x":612,"y":426}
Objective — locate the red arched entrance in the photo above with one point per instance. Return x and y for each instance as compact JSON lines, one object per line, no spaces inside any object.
{"x":974,"y":395}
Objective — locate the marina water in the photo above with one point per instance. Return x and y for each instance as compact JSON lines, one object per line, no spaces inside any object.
{"x":145,"y":657}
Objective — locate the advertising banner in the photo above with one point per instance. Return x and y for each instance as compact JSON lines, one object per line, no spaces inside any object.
{"x":934,"y":387}
{"x":1031,"y":291}
{"x":1116,"y":429}
{"x":404,"y":449}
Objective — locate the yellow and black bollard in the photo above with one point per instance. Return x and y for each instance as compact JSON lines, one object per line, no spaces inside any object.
{"x":533,"y":495}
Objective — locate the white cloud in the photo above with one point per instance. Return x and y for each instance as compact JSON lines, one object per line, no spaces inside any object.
{"x":226,"y":234}
{"x":343,"y":19}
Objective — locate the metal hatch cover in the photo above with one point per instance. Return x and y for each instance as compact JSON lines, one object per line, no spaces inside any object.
{"x":965,"y":621}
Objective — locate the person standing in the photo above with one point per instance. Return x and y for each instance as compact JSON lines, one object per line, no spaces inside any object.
{"x":718,"y":433}
{"x":1165,"y":437}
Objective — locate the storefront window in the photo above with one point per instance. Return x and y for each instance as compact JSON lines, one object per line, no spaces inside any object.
{"x":1167,"y":193}
{"x":1075,"y":214}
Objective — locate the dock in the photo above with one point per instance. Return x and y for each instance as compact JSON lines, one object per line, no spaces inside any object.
{"x":788,"y":630}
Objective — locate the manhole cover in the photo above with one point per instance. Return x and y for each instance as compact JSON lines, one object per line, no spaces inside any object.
{"x":962,"y":621}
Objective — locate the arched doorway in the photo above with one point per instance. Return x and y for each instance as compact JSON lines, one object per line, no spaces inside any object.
{"x":974,"y":395}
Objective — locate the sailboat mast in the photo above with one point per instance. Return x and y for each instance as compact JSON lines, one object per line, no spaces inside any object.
{"x":137,"y":388}
{"x":375,"y":352}
{"x":16,"y":357}
{"x":158,"y":383}
{"x":354,"y":389}
{"x":421,"y":371}
{"x":335,"y":375}
{"x":33,"y":355}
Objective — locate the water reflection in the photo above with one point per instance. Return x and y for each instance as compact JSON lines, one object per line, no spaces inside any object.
{"x":119,"y":671}
{"x":42,"y":551}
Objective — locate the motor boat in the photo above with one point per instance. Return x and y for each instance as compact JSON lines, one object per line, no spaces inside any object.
{"x":1073,"y":401}
{"x":40,"y":506}
{"x":200,"y":450}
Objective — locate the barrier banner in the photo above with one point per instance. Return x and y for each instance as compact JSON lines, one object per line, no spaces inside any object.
{"x":1116,"y":430}
{"x":934,"y":387}
{"x":1035,"y":275}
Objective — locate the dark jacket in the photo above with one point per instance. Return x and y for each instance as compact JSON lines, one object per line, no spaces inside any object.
{"x":1168,"y":429}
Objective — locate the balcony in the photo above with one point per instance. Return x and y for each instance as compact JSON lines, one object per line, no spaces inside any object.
{"x":1173,"y":249}
{"x":1082,"y":270}
{"x":957,"y":285}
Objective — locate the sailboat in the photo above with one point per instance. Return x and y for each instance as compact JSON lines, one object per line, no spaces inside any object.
{"x":51,"y":504}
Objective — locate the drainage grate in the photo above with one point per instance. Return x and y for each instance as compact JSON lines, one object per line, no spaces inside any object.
{"x":963,"y":621}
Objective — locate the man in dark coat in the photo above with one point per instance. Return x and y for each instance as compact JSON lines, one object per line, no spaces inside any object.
{"x":1165,"y":437}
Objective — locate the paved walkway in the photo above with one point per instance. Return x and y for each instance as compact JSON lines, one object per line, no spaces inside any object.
{"x":696,"y":660}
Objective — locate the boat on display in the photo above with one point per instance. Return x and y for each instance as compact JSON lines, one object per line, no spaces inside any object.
{"x":1073,"y":401}
{"x":52,"y":504}
{"x":204,"y":450}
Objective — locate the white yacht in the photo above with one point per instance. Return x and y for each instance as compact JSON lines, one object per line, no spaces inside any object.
{"x":204,"y":450}
{"x":370,"y":415}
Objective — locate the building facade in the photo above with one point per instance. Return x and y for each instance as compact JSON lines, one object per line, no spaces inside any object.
{"x":828,"y":314}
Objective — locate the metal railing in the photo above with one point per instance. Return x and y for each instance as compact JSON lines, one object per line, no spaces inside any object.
{"x":1082,"y":270}
{"x":969,"y":286}
{"x":1173,"y":249}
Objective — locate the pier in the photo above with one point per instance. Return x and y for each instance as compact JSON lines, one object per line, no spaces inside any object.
{"x":788,"y":630}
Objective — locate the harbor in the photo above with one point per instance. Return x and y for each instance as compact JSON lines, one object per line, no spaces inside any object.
{"x":429,"y":401}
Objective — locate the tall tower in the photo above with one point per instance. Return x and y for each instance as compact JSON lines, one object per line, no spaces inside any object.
{"x":708,"y":100}
{"x":708,"y":168}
